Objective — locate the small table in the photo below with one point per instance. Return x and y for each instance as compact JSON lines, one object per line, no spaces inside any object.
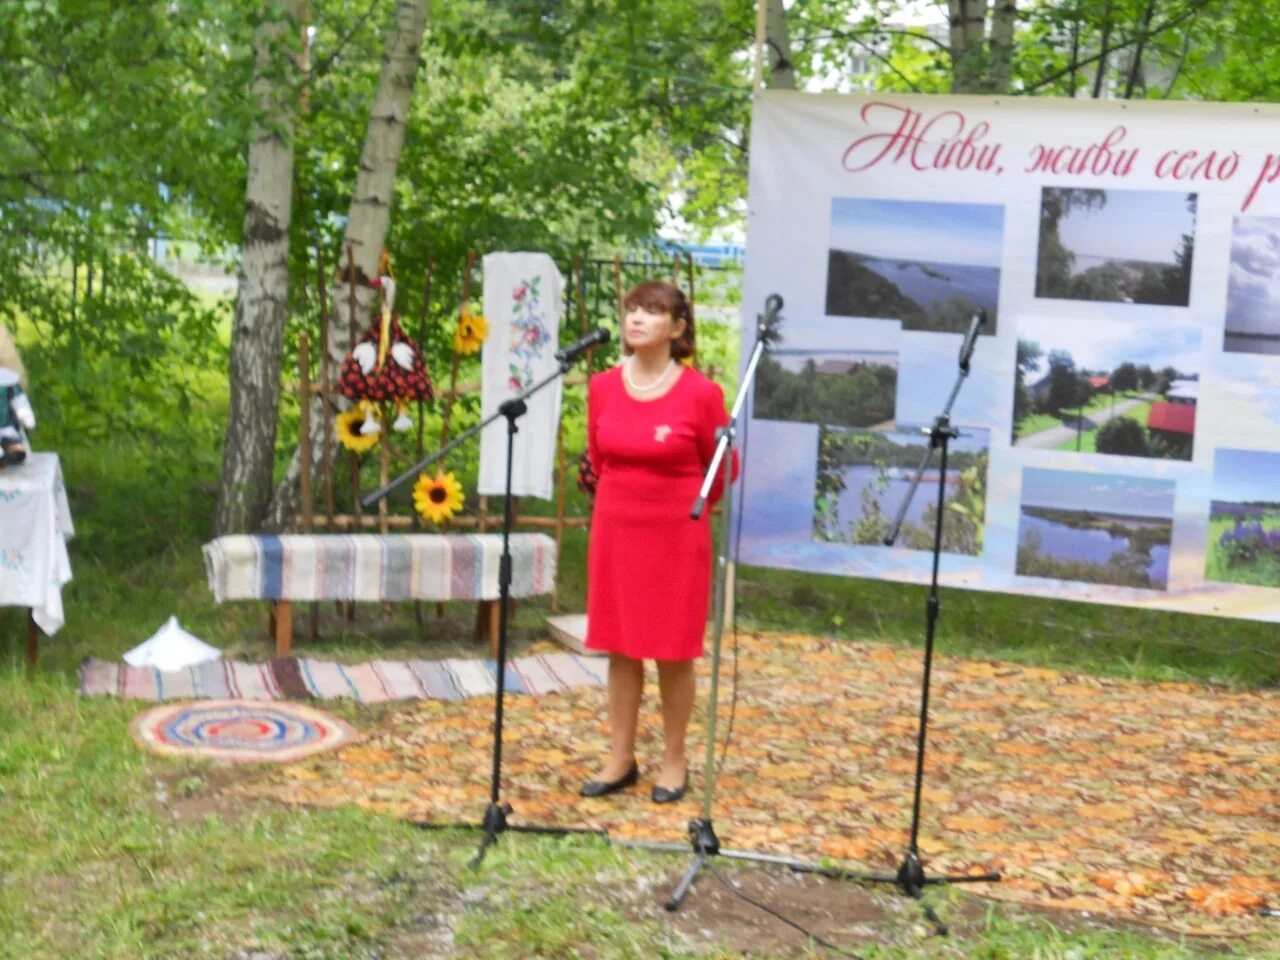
{"x":35,"y":525}
{"x":382,"y":567}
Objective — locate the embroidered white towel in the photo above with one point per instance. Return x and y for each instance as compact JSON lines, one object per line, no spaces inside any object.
{"x":523,"y":300}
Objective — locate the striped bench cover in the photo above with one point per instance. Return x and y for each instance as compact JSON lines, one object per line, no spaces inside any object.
{"x":376,"y":567}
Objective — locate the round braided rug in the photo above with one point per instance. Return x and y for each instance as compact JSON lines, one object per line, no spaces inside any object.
{"x":240,"y":731}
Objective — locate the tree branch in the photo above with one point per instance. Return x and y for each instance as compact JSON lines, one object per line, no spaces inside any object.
{"x":321,"y":68}
{"x":833,"y":34}
{"x":1192,"y":10}
{"x":1136,"y":67}
{"x":1182,"y":62}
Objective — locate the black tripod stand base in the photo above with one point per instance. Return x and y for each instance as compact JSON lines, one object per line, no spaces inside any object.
{"x":495,"y":823}
{"x":705,"y":844}
{"x":910,"y":879}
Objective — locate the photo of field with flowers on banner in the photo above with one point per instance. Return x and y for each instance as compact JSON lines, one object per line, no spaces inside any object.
{"x":1244,"y":525}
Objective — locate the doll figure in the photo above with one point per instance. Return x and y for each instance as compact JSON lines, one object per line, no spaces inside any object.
{"x":16,"y":417}
{"x":385,"y":365}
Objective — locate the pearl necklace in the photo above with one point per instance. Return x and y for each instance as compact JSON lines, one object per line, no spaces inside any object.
{"x":653,"y":385}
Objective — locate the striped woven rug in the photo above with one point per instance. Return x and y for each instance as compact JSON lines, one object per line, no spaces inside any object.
{"x":374,"y":682}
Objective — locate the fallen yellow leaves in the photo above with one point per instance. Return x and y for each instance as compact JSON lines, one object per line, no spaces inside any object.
{"x":974,"y":824}
{"x":551,"y":756}
{"x":1019,"y":749}
{"x":1083,"y":785}
{"x":844,"y":848}
{"x":1224,"y":902}
{"x":1140,"y":740}
{"x":1134,"y":883}
{"x":783,"y":771}
{"x":1077,"y":691}
{"x":980,"y":670}
{"x":369,"y":755}
{"x":1232,"y":808}
{"x":1110,"y":812}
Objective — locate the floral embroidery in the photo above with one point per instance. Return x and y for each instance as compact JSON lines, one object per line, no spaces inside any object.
{"x":11,"y":558}
{"x":528,"y":333}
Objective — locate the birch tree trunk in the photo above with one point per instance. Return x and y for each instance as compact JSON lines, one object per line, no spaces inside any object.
{"x":244,"y":485}
{"x":968,"y":45}
{"x":1000,"y":47}
{"x":782,"y":72}
{"x":367,"y":219}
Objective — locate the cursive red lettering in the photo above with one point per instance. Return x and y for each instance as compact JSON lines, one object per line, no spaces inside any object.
{"x":1269,"y":174}
{"x":866,"y":152}
{"x":945,"y":141}
{"x":1192,"y":165}
{"x":1104,"y":158}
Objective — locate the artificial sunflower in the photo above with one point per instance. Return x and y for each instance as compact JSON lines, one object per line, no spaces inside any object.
{"x":472,"y":329}
{"x":437,"y":498}
{"x":348,"y":426}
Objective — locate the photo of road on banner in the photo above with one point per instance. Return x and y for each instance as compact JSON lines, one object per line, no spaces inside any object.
{"x":1095,"y":385}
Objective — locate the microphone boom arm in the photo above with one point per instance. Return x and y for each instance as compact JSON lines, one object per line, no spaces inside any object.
{"x":514,"y":406}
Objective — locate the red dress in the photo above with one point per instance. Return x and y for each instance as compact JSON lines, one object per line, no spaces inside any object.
{"x":648,"y":562}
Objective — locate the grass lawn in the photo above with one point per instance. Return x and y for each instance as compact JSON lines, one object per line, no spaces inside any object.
{"x":107,"y":852}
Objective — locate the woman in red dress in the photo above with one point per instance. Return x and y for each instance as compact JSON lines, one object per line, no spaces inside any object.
{"x":651,"y":433}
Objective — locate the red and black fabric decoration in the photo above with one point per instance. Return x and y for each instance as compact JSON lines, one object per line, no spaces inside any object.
{"x":385,"y":365}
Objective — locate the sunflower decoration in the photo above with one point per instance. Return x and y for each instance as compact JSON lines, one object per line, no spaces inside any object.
{"x":437,"y":498}
{"x":472,"y":329}
{"x":352,"y":428}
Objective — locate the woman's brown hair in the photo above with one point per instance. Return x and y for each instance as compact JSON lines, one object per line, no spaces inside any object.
{"x":659,"y":296}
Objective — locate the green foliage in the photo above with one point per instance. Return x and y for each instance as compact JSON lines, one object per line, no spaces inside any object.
{"x":1054,"y":261}
{"x":1123,"y":435}
{"x":860,"y":396}
{"x":964,"y":506}
{"x":967,"y":506}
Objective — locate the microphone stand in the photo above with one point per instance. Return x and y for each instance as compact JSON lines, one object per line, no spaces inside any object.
{"x":494,"y":821}
{"x":702,"y":835}
{"x":911,"y":878}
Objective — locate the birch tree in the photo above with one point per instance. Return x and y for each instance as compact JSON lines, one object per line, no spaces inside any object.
{"x":782,"y":70}
{"x":367,"y":219}
{"x":981,"y":45}
{"x":244,"y":485}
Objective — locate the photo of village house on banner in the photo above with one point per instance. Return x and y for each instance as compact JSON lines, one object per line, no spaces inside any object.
{"x":1123,"y":403}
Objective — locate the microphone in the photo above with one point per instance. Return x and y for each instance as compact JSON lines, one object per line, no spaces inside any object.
{"x":767,"y":328}
{"x":572,"y":351}
{"x":971,"y":338}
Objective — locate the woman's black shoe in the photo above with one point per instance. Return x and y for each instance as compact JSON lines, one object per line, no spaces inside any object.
{"x":600,"y":788}
{"x":663,"y":795}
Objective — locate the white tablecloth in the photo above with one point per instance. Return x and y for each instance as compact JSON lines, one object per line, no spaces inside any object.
{"x":35,"y":525}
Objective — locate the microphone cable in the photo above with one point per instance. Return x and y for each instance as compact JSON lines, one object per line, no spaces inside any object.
{"x":735,"y":537}
{"x":733,"y":888}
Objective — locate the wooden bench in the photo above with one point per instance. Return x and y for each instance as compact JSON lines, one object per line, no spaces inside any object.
{"x":371,"y":567}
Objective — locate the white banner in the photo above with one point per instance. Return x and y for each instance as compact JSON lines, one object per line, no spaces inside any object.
{"x":1120,"y":426}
